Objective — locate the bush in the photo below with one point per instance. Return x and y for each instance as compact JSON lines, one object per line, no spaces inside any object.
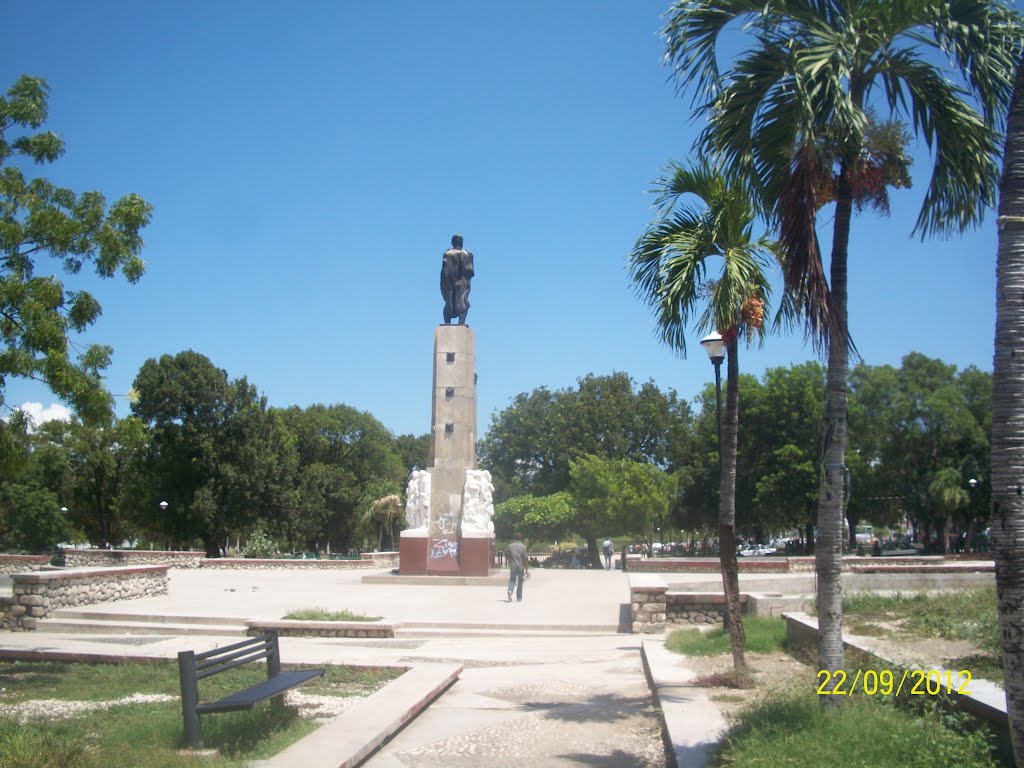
{"x":260,"y":544}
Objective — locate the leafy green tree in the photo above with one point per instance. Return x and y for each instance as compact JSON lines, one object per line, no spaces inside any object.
{"x":38,"y":314}
{"x":340,"y":452}
{"x":780,"y":445}
{"x":1008,"y":418}
{"x":214,"y":454}
{"x":792,"y":114}
{"x":530,"y":444}
{"x":98,"y":475}
{"x":536,"y":517}
{"x":617,"y":495}
{"x":30,"y":518}
{"x":910,"y":426}
{"x":413,"y":451}
{"x":707,"y":219}
{"x":33,"y":500}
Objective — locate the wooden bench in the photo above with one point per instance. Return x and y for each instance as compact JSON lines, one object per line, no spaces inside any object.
{"x":193,"y":667}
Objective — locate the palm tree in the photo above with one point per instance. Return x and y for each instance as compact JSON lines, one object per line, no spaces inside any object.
{"x":793,"y":115}
{"x":381,"y":508}
{"x":1008,"y":418}
{"x":705,"y":217}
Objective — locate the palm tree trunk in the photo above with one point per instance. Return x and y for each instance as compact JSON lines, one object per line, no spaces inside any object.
{"x":828,"y":556}
{"x":727,"y":520}
{"x":1008,"y":419}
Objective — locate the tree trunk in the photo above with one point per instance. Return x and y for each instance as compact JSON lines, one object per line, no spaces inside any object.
{"x":1008,"y":419}
{"x":828,"y":557}
{"x":594,"y":553}
{"x":727,"y":521}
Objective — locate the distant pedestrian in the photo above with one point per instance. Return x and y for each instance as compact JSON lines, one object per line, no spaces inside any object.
{"x":607,"y":554}
{"x":518,"y":567}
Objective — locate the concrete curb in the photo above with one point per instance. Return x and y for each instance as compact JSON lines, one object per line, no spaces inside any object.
{"x":351,"y":737}
{"x":693,"y":724}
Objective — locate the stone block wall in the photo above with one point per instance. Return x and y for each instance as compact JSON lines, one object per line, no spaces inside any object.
{"x":709,"y":565}
{"x":649,"y":608}
{"x":22,"y":563}
{"x":108,"y":558}
{"x":34,"y":595}
{"x":114,"y":558}
{"x":256,"y":564}
{"x":655,"y":608}
{"x":695,"y":608}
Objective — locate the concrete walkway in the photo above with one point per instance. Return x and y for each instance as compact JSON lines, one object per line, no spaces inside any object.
{"x":550,"y":681}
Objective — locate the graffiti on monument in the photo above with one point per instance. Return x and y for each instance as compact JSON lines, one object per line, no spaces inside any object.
{"x":444,"y":549}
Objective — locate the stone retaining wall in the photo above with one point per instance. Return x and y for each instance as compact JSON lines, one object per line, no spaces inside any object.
{"x":34,"y":595}
{"x":694,"y":608}
{"x":106,"y":558}
{"x":649,"y":607}
{"x":289,"y":628}
{"x":22,"y":563}
{"x":654,"y":607}
{"x":771,"y":564}
{"x":113,"y":558}
{"x":367,"y":560}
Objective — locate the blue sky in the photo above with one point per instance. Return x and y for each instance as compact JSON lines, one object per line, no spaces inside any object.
{"x":309,"y":162}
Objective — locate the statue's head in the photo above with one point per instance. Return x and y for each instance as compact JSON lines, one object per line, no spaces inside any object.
{"x":456,"y":241}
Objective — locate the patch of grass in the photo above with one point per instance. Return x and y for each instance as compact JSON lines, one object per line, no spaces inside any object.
{"x":969,"y":614}
{"x":321,"y":614}
{"x":40,"y":746}
{"x":966,"y":614}
{"x":797,"y":732}
{"x":150,"y":735}
{"x":763,"y":635}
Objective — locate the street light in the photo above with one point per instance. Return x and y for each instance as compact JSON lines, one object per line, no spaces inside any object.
{"x":715,"y":347}
{"x":163,"y":510}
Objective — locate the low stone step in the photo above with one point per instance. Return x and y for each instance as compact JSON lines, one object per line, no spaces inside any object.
{"x":103,"y":616}
{"x":122,"y":627}
{"x":427,"y":632}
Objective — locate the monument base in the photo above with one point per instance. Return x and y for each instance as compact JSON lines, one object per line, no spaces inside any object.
{"x":412,"y":555}
{"x":476,"y":555}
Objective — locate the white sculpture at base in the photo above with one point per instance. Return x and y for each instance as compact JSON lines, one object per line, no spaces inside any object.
{"x":477,"y":503}
{"x":417,"y":503}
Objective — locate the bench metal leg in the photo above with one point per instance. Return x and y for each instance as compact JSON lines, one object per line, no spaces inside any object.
{"x":190,"y":699}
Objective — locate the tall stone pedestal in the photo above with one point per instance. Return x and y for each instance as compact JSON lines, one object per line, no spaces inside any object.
{"x":452,"y":542}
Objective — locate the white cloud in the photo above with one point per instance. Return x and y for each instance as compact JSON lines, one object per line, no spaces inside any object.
{"x":40,"y":414}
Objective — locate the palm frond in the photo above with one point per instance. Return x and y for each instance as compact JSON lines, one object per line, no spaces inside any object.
{"x":803,"y":270}
{"x":705,"y":217}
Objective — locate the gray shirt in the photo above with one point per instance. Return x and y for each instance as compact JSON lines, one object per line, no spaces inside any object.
{"x":517,"y":555}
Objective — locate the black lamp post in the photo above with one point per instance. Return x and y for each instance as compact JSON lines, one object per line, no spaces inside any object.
{"x":715,"y":347}
{"x":163,"y":514}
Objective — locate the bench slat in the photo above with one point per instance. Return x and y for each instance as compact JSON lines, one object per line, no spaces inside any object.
{"x":252,"y":641}
{"x":267,"y":689}
{"x":224,"y":663}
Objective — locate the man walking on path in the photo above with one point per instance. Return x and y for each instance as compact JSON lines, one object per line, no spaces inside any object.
{"x":517,"y":567}
{"x":607,"y":554}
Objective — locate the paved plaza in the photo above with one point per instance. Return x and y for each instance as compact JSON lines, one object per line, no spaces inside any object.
{"x":550,"y":681}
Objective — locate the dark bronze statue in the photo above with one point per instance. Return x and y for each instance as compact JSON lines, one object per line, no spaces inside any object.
{"x":456,"y":274}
